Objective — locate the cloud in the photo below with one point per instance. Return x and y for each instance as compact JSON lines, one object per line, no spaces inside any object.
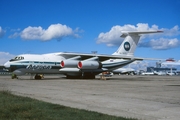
{"x":54,"y":31}
{"x":166,"y":40}
{"x":2,"y":32}
{"x":161,"y":44}
{"x":5,"y":56}
{"x":16,"y":34}
{"x":112,"y":37}
{"x":172,"y":32}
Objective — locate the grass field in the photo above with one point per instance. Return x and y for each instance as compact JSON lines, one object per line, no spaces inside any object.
{"x":19,"y":108}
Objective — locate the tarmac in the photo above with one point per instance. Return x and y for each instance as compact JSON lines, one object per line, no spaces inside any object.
{"x":142,"y":97}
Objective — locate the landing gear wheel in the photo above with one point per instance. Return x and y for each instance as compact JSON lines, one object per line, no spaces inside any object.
{"x":14,"y":76}
{"x":38,"y":77}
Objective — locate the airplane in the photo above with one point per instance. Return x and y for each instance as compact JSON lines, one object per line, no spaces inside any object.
{"x":160,"y":73}
{"x":153,"y":72}
{"x":147,"y":73}
{"x":127,"y":71}
{"x":78,"y":65}
{"x":171,"y":62}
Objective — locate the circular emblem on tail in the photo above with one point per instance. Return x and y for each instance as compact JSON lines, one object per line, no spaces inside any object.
{"x":127,"y":46}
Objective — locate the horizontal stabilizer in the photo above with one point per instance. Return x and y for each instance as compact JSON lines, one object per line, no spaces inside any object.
{"x":126,"y":33}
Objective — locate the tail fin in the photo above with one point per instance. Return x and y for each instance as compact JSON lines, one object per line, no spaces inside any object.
{"x":130,"y":42}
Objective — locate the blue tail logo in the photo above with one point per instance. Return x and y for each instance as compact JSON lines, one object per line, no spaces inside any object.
{"x":127,"y":46}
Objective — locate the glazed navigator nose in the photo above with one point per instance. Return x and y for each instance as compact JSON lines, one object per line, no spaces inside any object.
{"x":7,"y":65}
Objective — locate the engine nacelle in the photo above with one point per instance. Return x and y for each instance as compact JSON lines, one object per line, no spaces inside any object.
{"x":89,"y":65}
{"x":69,"y":63}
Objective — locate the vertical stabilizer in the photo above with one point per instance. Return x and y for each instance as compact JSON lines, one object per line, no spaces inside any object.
{"x":130,"y":42}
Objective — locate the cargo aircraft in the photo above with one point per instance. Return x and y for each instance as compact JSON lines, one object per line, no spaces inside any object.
{"x":78,"y":65}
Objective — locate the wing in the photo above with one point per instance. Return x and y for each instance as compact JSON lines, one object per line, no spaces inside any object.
{"x":86,"y":65}
{"x":101,"y":57}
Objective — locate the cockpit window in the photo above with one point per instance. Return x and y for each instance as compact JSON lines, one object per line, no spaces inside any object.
{"x":17,"y":58}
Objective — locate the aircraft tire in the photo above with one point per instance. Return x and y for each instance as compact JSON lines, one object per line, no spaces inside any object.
{"x":38,"y":77}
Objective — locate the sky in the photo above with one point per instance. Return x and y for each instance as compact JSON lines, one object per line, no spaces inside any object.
{"x":47,"y":26}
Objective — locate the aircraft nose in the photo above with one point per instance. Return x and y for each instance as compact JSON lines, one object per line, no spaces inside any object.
{"x":7,"y":65}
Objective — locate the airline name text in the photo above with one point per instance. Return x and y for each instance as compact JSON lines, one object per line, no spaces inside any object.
{"x":40,"y":67}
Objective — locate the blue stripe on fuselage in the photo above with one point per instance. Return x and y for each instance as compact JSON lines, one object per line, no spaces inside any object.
{"x":116,"y":64}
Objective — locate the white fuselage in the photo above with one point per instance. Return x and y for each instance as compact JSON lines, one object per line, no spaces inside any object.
{"x":51,"y":64}
{"x":35,"y":64}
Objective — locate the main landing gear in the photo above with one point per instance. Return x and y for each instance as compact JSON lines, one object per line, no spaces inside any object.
{"x":38,"y":76}
{"x":14,"y":76}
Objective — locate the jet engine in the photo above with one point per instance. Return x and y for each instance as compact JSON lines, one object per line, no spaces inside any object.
{"x":89,"y":65}
{"x":69,"y":63}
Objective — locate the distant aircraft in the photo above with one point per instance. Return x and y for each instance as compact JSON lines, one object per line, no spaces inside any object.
{"x":160,"y":73}
{"x":78,"y":65}
{"x":171,"y":62}
{"x":128,"y":71}
{"x":147,"y":73}
{"x":153,"y":72}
